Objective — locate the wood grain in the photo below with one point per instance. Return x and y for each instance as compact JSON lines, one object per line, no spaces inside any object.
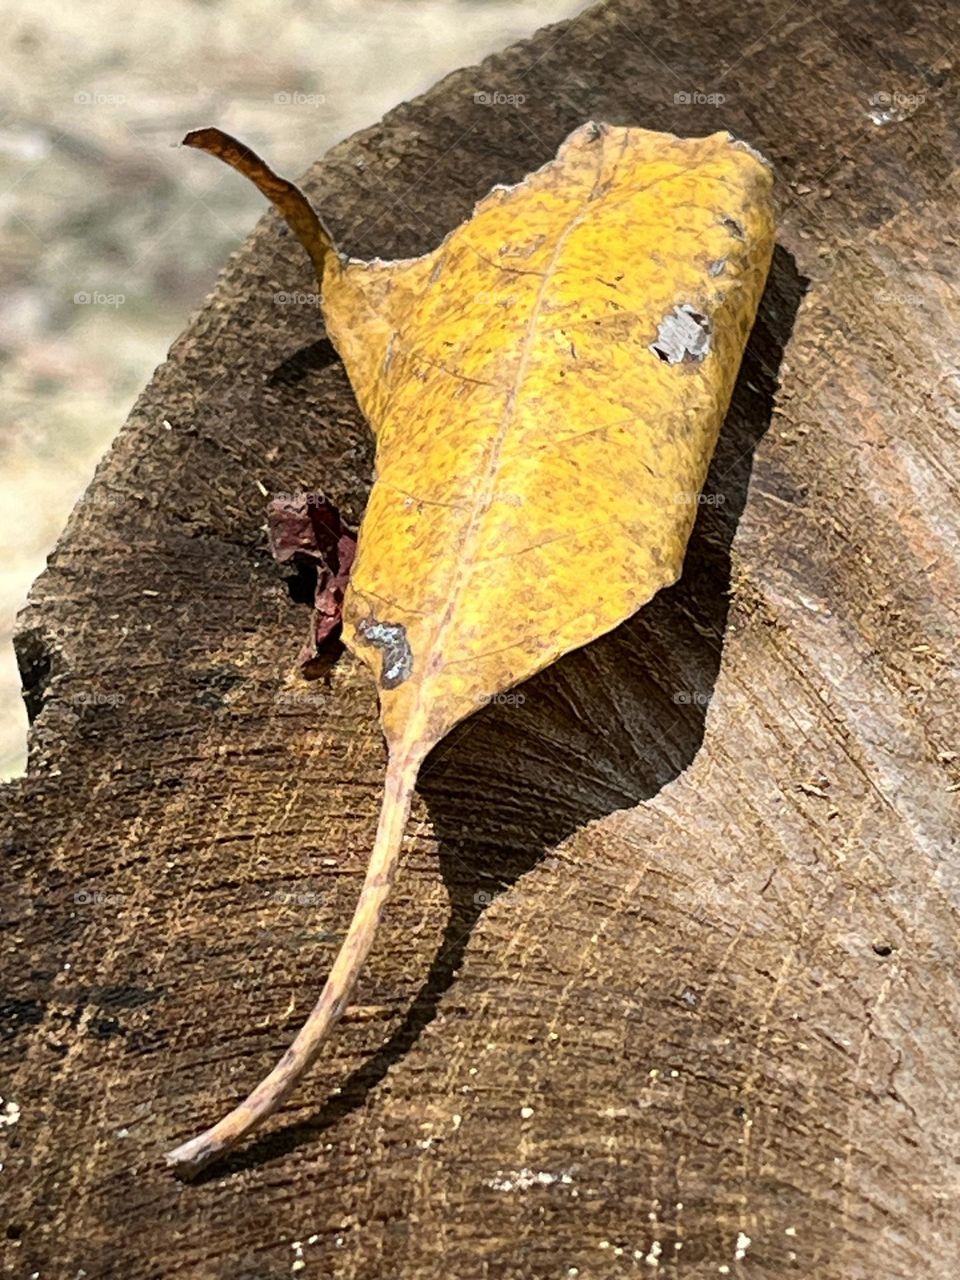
{"x":672,"y":959}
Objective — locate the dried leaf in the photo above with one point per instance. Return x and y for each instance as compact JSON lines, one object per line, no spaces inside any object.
{"x":307,"y":532}
{"x":546,"y":388}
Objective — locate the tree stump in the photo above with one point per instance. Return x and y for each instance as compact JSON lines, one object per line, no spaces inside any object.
{"x":668,"y":985}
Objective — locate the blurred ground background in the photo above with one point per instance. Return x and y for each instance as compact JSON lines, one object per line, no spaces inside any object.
{"x":109,"y":238}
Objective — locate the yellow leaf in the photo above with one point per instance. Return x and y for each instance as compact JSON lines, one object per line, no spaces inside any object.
{"x":546,"y":388}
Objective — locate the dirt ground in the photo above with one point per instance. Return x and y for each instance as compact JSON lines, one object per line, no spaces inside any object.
{"x":109,"y":238}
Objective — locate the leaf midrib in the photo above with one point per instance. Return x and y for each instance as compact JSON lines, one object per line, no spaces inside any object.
{"x":484,"y":501}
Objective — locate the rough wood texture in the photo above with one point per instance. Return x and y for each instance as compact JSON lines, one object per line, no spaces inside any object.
{"x":660,"y":976}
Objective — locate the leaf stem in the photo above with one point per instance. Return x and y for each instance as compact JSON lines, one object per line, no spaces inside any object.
{"x":286,"y":197}
{"x":191,"y":1157}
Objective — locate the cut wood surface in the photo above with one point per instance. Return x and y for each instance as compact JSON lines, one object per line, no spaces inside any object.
{"x":668,"y":985}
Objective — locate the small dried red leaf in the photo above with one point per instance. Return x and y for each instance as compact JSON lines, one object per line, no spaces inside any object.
{"x":308,"y":534}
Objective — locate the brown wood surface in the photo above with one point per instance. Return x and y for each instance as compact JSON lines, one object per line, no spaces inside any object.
{"x":669,"y":985}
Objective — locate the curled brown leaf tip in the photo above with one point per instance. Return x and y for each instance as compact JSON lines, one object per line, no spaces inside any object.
{"x":286,"y":197}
